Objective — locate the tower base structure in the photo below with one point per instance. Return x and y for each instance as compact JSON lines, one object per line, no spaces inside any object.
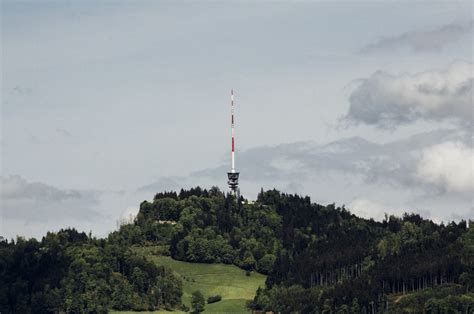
{"x":233,"y":181}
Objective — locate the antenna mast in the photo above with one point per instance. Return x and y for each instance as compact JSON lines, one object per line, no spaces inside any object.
{"x":233,"y":176}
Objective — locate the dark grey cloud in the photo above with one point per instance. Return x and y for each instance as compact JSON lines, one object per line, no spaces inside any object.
{"x":388,"y":101}
{"x":17,"y":188}
{"x":430,"y":40}
{"x":163,"y":183}
{"x":36,"y":201}
{"x":21,"y":91}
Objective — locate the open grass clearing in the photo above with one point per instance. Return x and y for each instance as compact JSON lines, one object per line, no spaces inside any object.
{"x":228,"y":281}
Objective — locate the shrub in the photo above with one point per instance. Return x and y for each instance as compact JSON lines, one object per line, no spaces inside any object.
{"x":265,"y":264}
{"x":197,"y":301}
{"x":214,"y":298}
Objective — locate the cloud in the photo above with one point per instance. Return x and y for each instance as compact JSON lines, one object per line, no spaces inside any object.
{"x":41,"y":202}
{"x":354,"y":156}
{"x":369,"y":209}
{"x":418,"y":41}
{"x":388,"y":101}
{"x":293,"y":165}
{"x":374,"y":179}
{"x":163,"y":183}
{"x":63,"y":132}
{"x":21,"y":91}
{"x":450,"y":166}
{"x":17,"y":188}
{"x":128,"y":215}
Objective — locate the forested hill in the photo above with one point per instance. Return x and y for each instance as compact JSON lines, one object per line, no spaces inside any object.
{"x":71,"y":272}
{"x":319,"y":259}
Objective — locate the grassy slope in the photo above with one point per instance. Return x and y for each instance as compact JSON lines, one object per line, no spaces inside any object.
{"x":228,"y":281}
{"x":144,"y":312}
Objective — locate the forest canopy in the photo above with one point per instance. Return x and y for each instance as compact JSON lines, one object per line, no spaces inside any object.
{"x":72,"y":272}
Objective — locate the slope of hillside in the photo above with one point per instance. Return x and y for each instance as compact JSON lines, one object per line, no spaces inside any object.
{"x":228,"y":281}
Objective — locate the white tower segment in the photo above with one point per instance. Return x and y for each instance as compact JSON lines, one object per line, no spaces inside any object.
{"x":233,"y":129}
{"x":233,"y":176}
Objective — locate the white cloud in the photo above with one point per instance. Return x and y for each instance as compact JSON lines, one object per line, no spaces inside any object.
{"x":128,"y":215}
{"x":369,"y":209}
{"x":373,"y":206}
{"x":387,"y":101}
{"x":449,"y":166}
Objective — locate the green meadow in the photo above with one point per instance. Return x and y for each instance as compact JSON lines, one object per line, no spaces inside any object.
{"x":228,"y":281}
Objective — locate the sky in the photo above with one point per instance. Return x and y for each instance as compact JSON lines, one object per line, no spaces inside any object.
{"x":366,"y":104}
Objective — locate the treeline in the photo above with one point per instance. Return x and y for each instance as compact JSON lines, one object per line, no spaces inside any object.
{"x":352,"y":264}
{"x":72,"y":272}
{"x":316,"y":257}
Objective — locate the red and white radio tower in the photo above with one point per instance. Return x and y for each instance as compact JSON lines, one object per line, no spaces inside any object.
{"x":233,"y":176}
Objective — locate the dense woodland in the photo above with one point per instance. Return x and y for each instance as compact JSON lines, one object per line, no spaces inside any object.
{"x":319,"y":259}
{"x":72,"y":272}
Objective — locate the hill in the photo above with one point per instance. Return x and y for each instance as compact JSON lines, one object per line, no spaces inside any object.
{"x":317,"y":259}
{"x":315,"y":256}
